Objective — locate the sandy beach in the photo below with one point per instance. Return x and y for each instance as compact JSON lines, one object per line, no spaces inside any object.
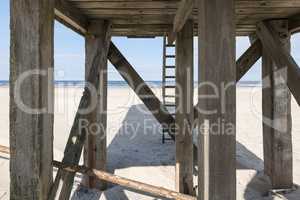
{"x":141,"y":155}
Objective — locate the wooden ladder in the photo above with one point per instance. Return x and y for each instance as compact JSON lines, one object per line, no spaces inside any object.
{"x":168,"y":81}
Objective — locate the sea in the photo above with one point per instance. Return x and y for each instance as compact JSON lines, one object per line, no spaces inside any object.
{"x":118,"y":84}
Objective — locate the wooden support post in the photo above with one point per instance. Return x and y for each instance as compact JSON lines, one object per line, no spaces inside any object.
{"x":184,"y":109}
{"x":217,"y":100}
{"x":277,"y":120}
{"x":283,"y":59}
{"x":78,"y":132}
{"x":31,"y":98}
{"x":141,"y":89}
{"x":95,"y":145}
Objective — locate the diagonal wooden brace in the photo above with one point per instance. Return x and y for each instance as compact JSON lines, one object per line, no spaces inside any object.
{"x":141,"y":89}
{"x":281,"y":57}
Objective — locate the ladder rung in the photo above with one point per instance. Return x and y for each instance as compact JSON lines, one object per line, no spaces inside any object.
{"x":170,"y":77}
{"x":170,"y":96}
{"x":170,"y":45}
{"x":169,"y":86}
{"x":169,"y":105}
{"x":170,"y":66}
{"x":170,"y":56}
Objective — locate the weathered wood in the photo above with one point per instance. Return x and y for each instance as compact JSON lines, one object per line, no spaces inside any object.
{"x":277,"y":119}
{"x":244,"y":63}
{"x":271,"y":42}
{"x":184,"y":109}
{"x":78,"y":132}
{"x":31,"y":98}
{"x":141,"y":88}
{"x":183,"y":13}
{"x":217,"y":115}
{"x":70,"y":16}
{"x":127,"y":183}
{"x":95,"y":145}
{"x":4,"y":149}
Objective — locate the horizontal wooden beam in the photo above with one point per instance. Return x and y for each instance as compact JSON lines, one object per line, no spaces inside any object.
{"x":127,"y":183}
{"x":140,"y":88}
{"x":71,"y":17}
{"x":282,"y":58}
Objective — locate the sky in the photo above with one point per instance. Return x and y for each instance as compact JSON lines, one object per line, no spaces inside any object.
{"x":144,"y":54}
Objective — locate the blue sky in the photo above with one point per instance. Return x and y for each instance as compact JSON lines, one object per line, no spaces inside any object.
{"x":144,"y":54}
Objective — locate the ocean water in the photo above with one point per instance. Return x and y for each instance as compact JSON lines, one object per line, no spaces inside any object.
{"x":117,"y":84}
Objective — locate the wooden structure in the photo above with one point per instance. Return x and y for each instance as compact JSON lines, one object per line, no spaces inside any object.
{"x":216,"y":23}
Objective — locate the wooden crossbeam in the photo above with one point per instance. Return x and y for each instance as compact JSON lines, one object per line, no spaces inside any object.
{"x":70,"y":17}
{"x":282,"y":58}
{"x":244,"y":63}
{"x":127,"y":183}
{"x":141,"y":88}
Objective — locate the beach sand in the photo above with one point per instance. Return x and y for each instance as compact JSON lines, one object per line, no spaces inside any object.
{"x":141,"y":155}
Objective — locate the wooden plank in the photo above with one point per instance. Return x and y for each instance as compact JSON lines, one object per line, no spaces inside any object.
{"x":127,"y":183}
{"x":78,"y":132}
{"x":217,"y":116}
{"x":184,"y":109}
{"x":31,"y":98}
{"x":281,"y":57}
{"x":183,"y":13}
{"x":141,"y":89}
{"x":277,"y":119}
{"x":70,"y":16}
{"x":95,"y":145}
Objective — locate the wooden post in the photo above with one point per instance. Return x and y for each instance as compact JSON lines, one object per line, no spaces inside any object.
{"x":31,"y":98}
{"x":217,"y":100}
{"x":277,"y":119}
{"x":184,"y":109}
{"x":95,"y":145}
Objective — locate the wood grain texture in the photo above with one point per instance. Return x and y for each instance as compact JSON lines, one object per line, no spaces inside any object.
{"x":31,"y":98}
{"x":183,"y":13}
{"x":141,"y":89}
{"x":184,"y":109}
{"x":95,"y":145}
{"x":217,"y":116}
{"x":78,"y":132}
{"x":277,"y":119}
{"x":271,"y":41}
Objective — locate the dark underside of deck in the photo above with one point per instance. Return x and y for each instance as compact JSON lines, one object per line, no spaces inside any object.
{"x":155,"y":17}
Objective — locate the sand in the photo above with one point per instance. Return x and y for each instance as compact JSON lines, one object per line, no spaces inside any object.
{"x":141,"y":156}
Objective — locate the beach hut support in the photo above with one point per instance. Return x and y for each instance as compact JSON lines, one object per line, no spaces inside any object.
{"x":141,"y":89}
{"x":276,"y":106}
{"x":184,"y":109}
{"x":217,"y":74}
{"x":95,"y":143}
{"x":31,"y":98}
{"x":63,"y":182}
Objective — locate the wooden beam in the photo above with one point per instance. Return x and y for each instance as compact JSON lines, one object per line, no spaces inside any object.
{"x":217,"y":115}
{"x":281,"y":56}
{"x":127,"y":183}
{"x":141,"y":89}
{"x":277,"y":119}
{"x":78,"y":132}
{"x":244,"y":63}
{"x":71,"y":17}
{"x":95,"y":145}
{"x":184,"y":109}
{"x":31,"y":98}
{"x":183,"y":13}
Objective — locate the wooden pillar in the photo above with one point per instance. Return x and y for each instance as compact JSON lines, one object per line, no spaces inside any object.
{"x":184,"y":109}
{"x":277,"y":120}
{"x":31,"y":98}
{"x":217,"y":100}
{"x":95,"y":145}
